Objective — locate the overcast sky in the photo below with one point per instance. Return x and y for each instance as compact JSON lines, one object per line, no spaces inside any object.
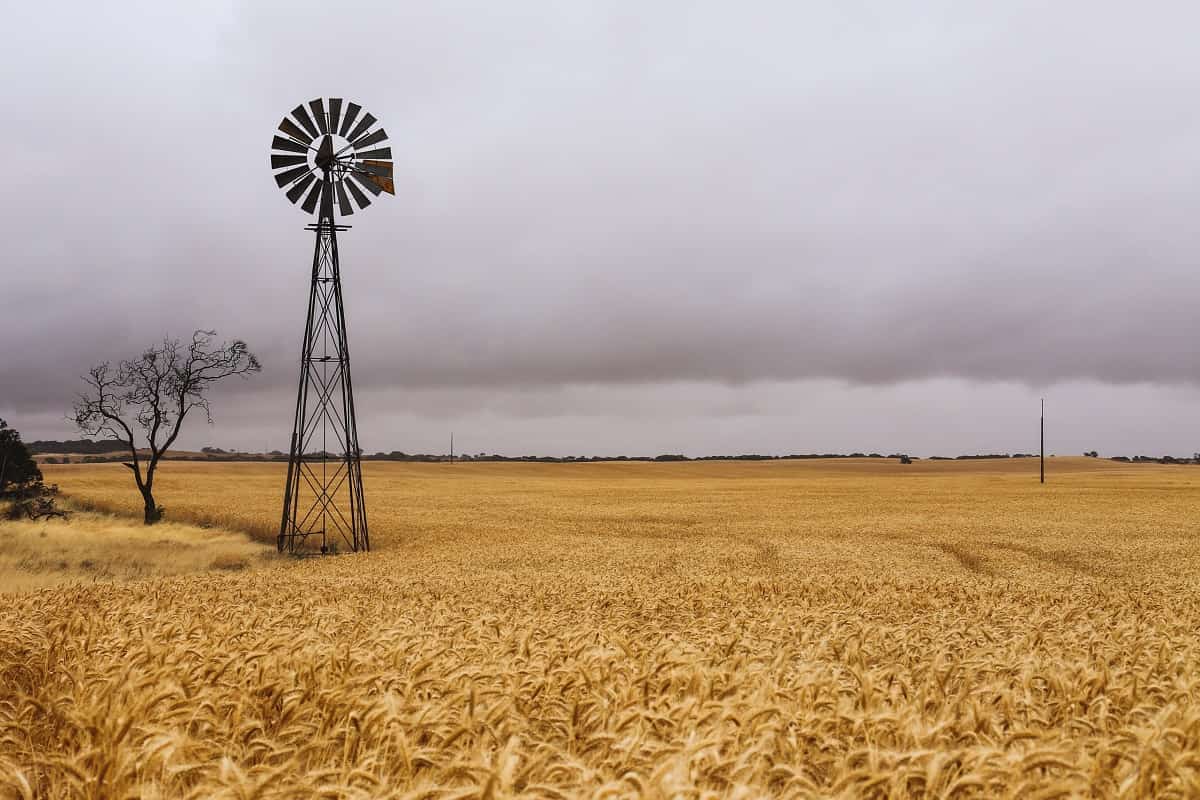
{"x":630,"y":227}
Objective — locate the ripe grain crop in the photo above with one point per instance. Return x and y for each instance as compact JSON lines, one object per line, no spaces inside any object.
{"x":620,"y":630}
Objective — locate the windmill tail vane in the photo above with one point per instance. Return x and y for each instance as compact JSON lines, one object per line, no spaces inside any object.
{"x":328,"y":158}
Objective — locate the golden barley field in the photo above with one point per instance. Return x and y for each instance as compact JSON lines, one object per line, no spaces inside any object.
{"x":677,"y":630}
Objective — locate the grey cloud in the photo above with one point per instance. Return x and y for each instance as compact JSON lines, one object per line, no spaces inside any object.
{"x":618,"y":195}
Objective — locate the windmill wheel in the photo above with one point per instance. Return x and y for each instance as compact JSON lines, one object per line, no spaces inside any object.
{"x":324,"y":154}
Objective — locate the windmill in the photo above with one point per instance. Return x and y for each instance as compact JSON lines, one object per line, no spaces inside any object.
{"x":327,"y":156}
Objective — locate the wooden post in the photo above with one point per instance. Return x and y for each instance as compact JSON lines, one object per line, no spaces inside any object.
{"x":1043,"y":439}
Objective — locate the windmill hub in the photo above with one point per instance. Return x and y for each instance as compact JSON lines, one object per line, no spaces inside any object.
{"x":324,"y":158}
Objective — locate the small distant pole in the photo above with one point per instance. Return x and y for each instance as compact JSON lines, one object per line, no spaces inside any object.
{"x":1043,"y":439}
{"x":451,"y":447}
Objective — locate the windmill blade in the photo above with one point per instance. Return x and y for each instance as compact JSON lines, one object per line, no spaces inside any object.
{"x":360,"y":198}
{"x":296,"y":191}
{"x":383,"y":152}
{"x":335,"y":112}
{"x":289,"y":175}
{"x":344,"y":207}
{"x":372,"y":138}
{"x":287,"y":161}
{"x":282,"y":143}
{"x":363,"y":124}
{"x":381,"y":168}
{"x":318,"y":109}
{"x":367,"y":183}
{"x":352,"y":110}
{"x":302,"y":117}
{"x":293,"y":130}
{"x":310,"y":202}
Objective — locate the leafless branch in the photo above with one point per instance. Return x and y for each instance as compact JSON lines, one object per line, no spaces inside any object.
{"x":154,"y":393}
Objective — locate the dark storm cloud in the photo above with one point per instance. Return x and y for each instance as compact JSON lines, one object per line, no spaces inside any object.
{"x":624,"y":194}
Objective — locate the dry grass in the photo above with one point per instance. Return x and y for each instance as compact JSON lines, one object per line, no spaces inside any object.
{"x":659,"y":630}
{"x":94,"y":547}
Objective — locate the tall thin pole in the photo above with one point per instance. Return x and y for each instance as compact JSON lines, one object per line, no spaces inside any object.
{"x":1043,"y":438}
{"x":451,"y":447}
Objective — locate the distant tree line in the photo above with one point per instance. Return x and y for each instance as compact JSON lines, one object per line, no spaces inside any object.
{"x":1195,"y":459}
{"x":218,"y":454}
{"x":81,"y":446}
{"x":397,"y":455}
{"x":983,"y":456}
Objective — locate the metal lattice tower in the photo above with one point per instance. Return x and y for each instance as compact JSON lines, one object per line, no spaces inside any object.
{"x":324,"y":158}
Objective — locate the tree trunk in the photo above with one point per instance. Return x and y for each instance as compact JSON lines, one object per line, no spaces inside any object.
{"x":152,"y":512}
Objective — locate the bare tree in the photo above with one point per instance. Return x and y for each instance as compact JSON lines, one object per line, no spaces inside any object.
{"x":151,"y":395}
